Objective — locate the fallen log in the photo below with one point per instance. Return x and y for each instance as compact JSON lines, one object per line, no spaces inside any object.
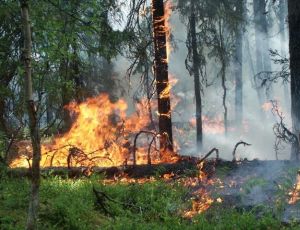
{"x":183,"y":166}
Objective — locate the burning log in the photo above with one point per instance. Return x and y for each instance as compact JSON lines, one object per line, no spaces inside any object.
{"x":183,"y":165}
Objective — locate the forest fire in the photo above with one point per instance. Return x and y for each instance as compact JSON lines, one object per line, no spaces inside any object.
{"x":101,"y":136}
{"x":201,"y":199}
{"x":295,"y":194}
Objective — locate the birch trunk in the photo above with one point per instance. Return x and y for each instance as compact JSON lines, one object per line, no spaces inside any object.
{"x":33,"y":122}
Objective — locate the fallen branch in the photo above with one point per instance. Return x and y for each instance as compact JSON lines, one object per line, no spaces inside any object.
{"x":235,"y":148}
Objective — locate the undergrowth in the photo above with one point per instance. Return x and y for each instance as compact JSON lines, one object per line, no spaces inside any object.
{"x":71,"y":204}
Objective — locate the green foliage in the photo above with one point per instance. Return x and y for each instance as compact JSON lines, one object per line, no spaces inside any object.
{"x":252,"y":182}
{"x":71,"y":204}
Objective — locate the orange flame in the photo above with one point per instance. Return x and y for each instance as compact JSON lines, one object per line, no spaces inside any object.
{"x":201,"y":200}
{"x":101,"y":136}
{"x":168,"y":12}
{"x":295,"y":194}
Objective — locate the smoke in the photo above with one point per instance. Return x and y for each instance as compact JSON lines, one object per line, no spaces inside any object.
{"x":258,"y":120}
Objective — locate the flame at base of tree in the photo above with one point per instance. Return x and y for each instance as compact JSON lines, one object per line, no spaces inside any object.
{"x":102,"y":135}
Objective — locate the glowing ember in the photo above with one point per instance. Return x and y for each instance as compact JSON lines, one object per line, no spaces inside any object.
{"x":100,"y":136}
{"x":295,"y":194}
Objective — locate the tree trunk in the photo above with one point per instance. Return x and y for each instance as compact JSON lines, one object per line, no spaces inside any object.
{"x":79,"y":97}
{"x":267,"y":65}
{"x":282,"y":18}
{"x":259,"y":10}
{"x":223,"y":76}
{"x":161,"y":76}
{"x":239,"y":68}
{"x":63,"y":70}
{"x":33,"y":123}
{"x":294,"y":25}
{"x":283,"y":38}
{"x":3,"y":126}
{"x":196,"y":72}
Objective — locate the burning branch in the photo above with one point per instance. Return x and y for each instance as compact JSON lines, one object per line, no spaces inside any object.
{"x":235,"y":148}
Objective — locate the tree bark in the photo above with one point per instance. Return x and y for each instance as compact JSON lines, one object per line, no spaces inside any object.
{"x":196,"y":72}
{"x":161,"y":76}
{"x":294,"y":46}
{"x":33,"y":122}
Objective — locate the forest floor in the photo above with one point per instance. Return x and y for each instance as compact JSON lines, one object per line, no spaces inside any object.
{"x":252,"y":195}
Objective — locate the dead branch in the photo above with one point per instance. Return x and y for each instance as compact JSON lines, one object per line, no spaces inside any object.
{"x":154,"y":134}
{"x":102,"y":200}
{"x":209,"y":153}
{"x":282,"y":133}
{"x":235,"y":148}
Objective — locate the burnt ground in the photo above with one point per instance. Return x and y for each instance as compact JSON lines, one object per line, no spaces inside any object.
{"x":258,"y":185}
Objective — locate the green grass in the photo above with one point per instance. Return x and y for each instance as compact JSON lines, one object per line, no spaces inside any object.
{"x":71,"y":204}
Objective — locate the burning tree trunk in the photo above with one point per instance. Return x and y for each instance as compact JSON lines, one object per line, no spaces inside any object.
{"x":196,"y":73}
{"x":33,"y":122}
{"x":294,"y":25}
{"x":161,"y":75}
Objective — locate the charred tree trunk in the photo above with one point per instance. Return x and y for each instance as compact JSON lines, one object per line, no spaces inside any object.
{"x":161,"y":76}
{"x":239,"y":67}
{"x":196,"y":72}
{"x":294,"y":25}
{"x":33,"y":121}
